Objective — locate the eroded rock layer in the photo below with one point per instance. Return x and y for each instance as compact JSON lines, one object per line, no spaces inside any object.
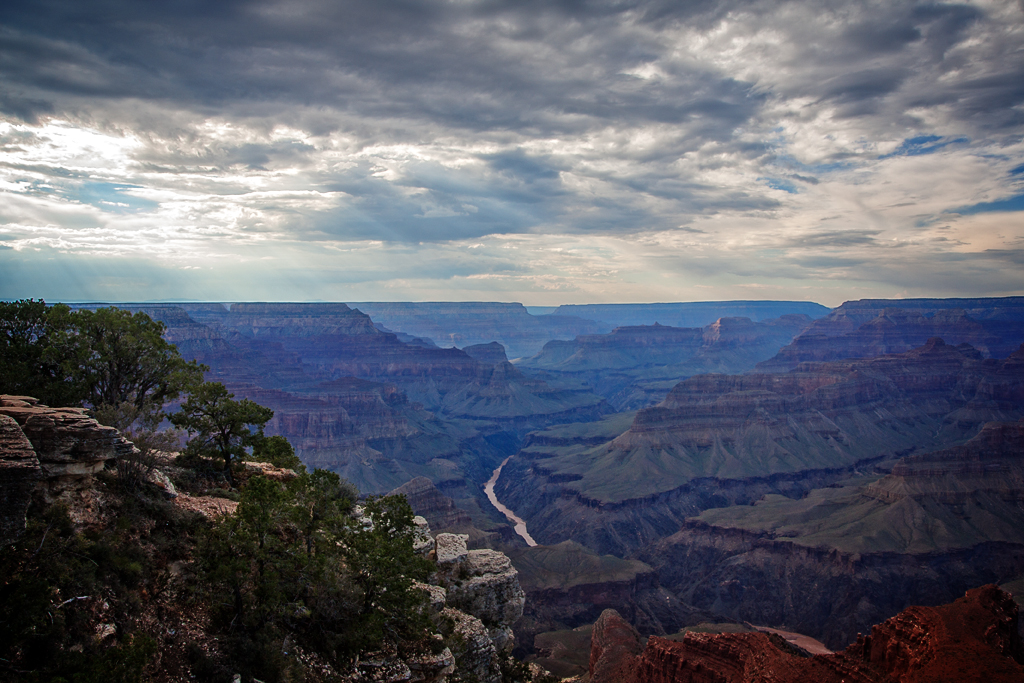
{"x":872,"y":327}
{"x":973,"y":639}
{"x":70,"y":445}
{"x":720,"y":440}
{"x":19,"y":470}
{"x":841,"y":558}
{"x":634,"y":367}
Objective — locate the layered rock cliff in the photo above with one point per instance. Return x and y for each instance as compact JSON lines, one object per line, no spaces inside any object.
{"x":872,"y":327}
{"x":722,"y":440}
{"x":70,"y":446}
{"x":636,"y":366}
{"x":834,"y":562}
{"x":973,"y":639}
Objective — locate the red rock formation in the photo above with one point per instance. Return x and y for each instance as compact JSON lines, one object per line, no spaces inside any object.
{"x":614,"y":647}
{"x":973,"y":639}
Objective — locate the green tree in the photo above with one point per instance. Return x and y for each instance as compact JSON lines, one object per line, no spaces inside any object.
{"x":220,"y":427}
{"x":383,"y":565}
{"x":322,"y":499}
{"x":278,"y":452}
{"x":37,"y":356}
{"x":127,"y":360}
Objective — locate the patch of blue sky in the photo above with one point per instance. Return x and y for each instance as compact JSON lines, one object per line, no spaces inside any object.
{"x":1017,"y":171}
{"x":921,"y":145}
{"x":780,"y":184}
{"x":111,"y":197}
{"x":1009,"y":204}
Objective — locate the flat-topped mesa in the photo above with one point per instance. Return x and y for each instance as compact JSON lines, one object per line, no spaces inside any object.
{"x":70,"y":445}
{"x":973,"y":639}
{"x":658,"y":345}
{"x":872,"y":327}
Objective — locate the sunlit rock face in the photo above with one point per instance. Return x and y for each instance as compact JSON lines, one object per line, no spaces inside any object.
{"x":974,"y":638}
{"x":872,"y":327}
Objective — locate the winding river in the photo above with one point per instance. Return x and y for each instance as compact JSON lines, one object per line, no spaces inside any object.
{"x":489,"y":490}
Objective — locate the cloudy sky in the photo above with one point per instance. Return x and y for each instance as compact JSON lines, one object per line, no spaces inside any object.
{"x":537,"y":151}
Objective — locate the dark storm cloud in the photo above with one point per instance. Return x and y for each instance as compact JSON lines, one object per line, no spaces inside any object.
{"x":419,"y":122}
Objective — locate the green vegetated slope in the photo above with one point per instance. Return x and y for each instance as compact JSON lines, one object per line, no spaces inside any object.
{"x":942,"y":501}
{"x":569,"y":564}
{"x":830,"y":415}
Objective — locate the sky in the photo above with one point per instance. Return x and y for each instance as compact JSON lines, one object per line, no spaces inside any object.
{"x":542,"y":152}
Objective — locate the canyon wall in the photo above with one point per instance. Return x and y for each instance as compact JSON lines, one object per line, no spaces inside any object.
{"x":690,"y":313}
{"x":634,"y":367}
{"x":872,"y":327}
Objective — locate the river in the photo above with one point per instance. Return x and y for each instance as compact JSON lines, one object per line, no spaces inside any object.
{"x":520,"y":524}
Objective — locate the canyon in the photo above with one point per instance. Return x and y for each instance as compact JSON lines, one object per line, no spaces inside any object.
{"x":719,"y":440}
{"x":771,"y":465}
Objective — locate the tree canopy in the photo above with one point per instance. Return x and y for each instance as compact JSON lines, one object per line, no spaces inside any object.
{"x":221,"y":427}
{"x":99,"y":358}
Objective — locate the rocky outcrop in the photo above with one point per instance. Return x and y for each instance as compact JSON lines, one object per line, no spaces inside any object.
{"x":19,"y":470}
{"x":720,"y":440}
{"x":482,"y":583}
{"x":973,"y":639}
{"x":634,"y":367}
{"x":481,"y":597}
{"x":70,"y":446}
{"x":872,"y":327}
{"x":614,"y":648}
